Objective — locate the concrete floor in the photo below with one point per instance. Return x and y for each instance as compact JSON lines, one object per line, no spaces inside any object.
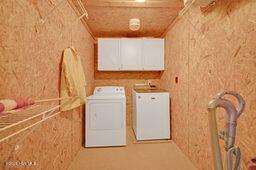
{"x":160,"y":155}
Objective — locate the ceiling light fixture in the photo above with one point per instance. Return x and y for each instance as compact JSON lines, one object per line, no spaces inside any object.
{"x":134,"y":24}
{"x":140,"y":0}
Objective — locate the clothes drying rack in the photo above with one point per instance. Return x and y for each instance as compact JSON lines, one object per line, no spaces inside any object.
{"x":28,"y":117}
{"x":15,"y":122}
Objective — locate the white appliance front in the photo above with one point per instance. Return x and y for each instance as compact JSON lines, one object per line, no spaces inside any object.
{"x":105,"y":122}
{"x":151,"y":117}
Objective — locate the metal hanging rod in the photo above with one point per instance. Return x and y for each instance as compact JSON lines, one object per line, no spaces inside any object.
{"x":186,"y":8}
{"x":54,"y":99}
{"x":85,"y":13}
{"x":82,"y":8}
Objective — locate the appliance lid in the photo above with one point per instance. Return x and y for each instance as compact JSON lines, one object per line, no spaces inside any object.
{"x":106,"y":97}
{"x":150,"y":91}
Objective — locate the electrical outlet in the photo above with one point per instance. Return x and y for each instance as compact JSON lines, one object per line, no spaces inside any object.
{"x":176,"y":80}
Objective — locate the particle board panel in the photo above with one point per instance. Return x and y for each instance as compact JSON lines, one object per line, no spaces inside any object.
{"x":30,"y":63}
{"x":177,"y":67}
{"x":221,"y":56}
{"x":113,"y":21}
{"x":228,"y":37}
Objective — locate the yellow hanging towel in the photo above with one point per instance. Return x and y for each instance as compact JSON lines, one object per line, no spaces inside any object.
{"x":72,"y":80}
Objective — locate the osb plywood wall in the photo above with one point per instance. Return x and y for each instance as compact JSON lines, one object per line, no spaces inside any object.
{"x":127,"y":79}
{"x":107,"y":25}
{"x":209,"y":53}
{"x":30,"y":59}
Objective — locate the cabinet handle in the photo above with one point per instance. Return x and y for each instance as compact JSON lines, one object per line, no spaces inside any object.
{"x":153,"y":98}
{"x":95,"y":116}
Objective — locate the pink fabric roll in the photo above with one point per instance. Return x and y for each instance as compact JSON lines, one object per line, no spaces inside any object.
{"x":9,"y":104}
{"x":1,"y":107}
{"x":252,"y":164}
{"x":20,"y":103}
{"x":23,"y":103}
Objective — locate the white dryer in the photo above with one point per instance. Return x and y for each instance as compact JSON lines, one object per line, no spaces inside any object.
{"x":105,"y":120}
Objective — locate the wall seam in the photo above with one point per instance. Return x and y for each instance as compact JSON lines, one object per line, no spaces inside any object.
{"x":188,"y":55}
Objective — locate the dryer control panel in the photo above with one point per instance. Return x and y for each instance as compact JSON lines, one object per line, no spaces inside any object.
{"x":109,"y":90}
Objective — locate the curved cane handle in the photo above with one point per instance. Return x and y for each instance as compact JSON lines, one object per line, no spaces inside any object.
{"x":239,"y":98}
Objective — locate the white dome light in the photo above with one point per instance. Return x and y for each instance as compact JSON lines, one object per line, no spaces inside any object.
{"x":134,"y":24}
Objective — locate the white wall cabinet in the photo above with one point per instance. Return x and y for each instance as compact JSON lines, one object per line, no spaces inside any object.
{"x":153,"y":54}
{"x":109,"y":54}
{"x":134,"y":54}
{"x":131,"y":54}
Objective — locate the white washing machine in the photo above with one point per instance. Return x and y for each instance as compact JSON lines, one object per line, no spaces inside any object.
{"x":151,"y":114}
{"x":105,"y":120}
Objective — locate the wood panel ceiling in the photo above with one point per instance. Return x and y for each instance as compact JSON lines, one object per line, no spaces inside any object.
{"x":110,"y":18}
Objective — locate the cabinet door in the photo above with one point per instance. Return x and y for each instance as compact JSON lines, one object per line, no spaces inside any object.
{"x":131,"y":54}
{"x":109,"y":54}
{"x":153,"y":54}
